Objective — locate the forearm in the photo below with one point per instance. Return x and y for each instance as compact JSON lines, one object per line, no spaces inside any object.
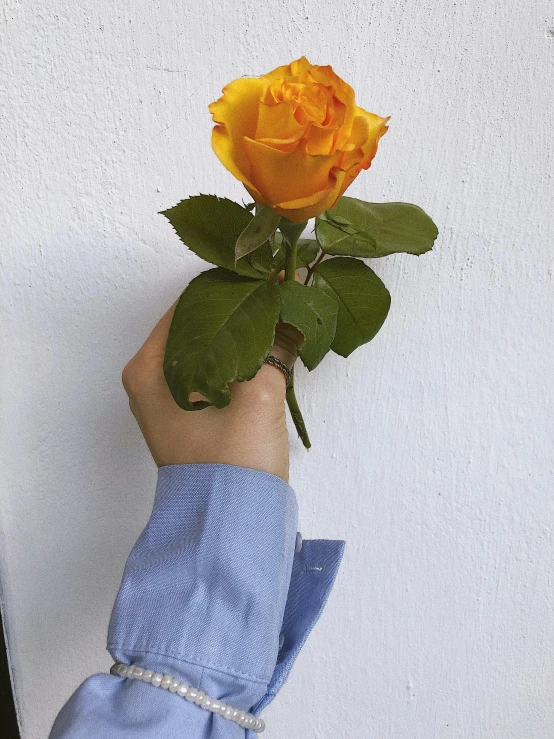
{"x":204,"y":598}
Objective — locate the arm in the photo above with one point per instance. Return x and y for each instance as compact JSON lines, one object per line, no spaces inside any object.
{"x":216,"y":591}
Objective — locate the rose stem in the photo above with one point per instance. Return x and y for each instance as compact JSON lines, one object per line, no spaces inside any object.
{"x":290,"y":267}
{"x":290,"y":274}
{"x":314,"y":266}
{"x":296,"y":414}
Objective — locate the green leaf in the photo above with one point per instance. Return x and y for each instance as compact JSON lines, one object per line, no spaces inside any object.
{"x":363,"y":300}
{"x":210,"y":226}
{"x":222,"y":330}
{"x":291,"y":231}
{"x":262,"y":258}
{"x":336,"y":219}
{"x":281,"y":256}
{"x":307,"y":252}
{"x":261,"y":227}
{"x":360,"y":229}
{"x":312,"y":312}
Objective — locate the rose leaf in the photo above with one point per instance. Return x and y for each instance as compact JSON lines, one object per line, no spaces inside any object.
{"x":307,"y":252}
{"x":257,"y":231}
{"x":210,"y":226}
{"x":363,"y":301}
{"x":359,"y":229}
{"x":222,"y":330}
{"x":312,"y":312}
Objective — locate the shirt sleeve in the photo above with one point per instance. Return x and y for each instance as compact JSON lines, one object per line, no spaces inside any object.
{"x":220,"y":592}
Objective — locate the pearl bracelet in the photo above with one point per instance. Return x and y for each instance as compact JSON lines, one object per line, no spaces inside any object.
{"x":193,"y":695}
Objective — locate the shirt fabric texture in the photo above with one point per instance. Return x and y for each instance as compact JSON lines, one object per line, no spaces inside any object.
{"x":219,"y":592}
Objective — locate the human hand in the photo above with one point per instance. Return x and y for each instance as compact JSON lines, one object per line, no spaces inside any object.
{"x":250,"y":432}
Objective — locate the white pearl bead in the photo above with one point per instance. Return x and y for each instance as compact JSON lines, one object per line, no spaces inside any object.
{"x":166,"y":682}
{"x":194,"y":695}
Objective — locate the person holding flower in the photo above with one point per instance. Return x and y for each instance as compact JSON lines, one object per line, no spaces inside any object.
{"x":220,"y":591}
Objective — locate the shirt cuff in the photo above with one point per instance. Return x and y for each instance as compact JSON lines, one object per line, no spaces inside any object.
{"x":216,"y":586}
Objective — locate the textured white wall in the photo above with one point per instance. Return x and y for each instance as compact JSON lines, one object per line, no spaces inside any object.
{"x":432,"y":445}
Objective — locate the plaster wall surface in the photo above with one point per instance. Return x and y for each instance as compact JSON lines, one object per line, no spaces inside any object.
{"x":432,"y":446}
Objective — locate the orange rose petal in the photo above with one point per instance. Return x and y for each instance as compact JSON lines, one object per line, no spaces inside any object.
{"x":376,"y":128}
{"x":300,"y":65}
{"x":343,"y":92}
{"x":361,"y":158}
{"x":236,"y":112}
{"x":303,"y":209}
{"x":352,"y":160}
{"x":359,"y":134}
{"x":279,"y":73}
{"x":367,"y":129}
{"x":288,"y":70}
{"x":282,"y":176}
{"x":226,"y":151}
{"x":320,"y":141}
{"x":304,"y":202}
{"x":295,"y":137}
{"x":282,"y":145}
{"x":326,"y":76}
{"x":277,"y":123}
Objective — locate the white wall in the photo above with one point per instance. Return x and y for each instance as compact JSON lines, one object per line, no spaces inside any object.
{"x":431,"y":446}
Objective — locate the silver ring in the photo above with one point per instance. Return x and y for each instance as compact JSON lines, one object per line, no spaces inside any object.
{"x":280,"y":365}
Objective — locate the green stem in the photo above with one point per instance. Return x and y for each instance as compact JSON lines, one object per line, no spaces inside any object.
{"x":290,"y":267}
{"x":292,"y":402}
{"x":296,"y":414}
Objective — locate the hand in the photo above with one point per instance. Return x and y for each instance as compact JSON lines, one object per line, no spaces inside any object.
{"x":250,"y":432}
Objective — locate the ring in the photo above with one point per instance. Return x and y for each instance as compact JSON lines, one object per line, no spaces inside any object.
{"x":280,"y":365}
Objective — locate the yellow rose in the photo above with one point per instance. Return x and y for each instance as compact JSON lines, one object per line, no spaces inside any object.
{"x":294,"y":137}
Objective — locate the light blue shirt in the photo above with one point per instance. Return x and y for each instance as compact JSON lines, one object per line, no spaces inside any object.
{"x":218,"y":591}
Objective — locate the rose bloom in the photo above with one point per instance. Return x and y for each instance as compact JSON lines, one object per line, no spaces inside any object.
{"x":294,"y":137}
